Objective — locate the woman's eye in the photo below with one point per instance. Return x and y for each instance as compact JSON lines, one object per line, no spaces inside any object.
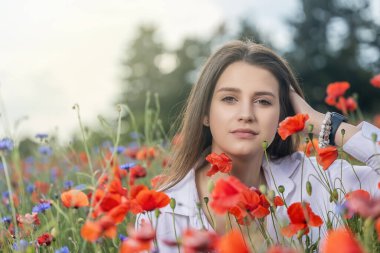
{"x":228,"y":99}
{"x":263,"y":102}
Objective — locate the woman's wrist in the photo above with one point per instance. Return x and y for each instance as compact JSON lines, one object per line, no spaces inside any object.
{"x":316,"y":119}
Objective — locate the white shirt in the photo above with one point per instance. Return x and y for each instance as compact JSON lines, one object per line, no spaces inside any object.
{"x":286,"y":171}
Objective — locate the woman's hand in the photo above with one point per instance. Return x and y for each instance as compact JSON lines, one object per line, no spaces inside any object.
{"x":301,"y":106}
{"x":316,"y":119}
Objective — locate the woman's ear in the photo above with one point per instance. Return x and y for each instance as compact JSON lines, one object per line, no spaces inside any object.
{"x":206,"y":121}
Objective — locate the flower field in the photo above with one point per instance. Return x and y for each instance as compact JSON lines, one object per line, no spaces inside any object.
{"x":62,"y":199}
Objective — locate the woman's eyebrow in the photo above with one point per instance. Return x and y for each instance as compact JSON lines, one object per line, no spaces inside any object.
{"x":257,"y":93}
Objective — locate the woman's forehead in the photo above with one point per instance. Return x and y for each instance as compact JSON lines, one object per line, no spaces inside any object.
{"x":242,"y":77}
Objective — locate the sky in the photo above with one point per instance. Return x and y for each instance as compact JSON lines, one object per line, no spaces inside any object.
{"x":54,"y":54}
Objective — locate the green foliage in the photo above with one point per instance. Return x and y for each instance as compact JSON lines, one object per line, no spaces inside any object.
{"x":336,"y":41}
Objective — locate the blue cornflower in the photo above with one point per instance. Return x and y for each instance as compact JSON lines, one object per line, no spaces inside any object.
{"x":6,"y":144}
{"x":120,"y":149}
{"x":41,"y":207}
{"x":45,"y":150}
{"x":5,"y":194}
{"x":6,"y":219}
{"x":341,"y":209}
{"x":22,"y":245}
{"x":29,"y":160}
{"x":64,"y":249}
{"x":122,"y":237}
{"x":127,"y":166}
{"x":41,"y":136}
{"x":30,"y":188}
{"x":80,"y":187}
{"x":68,"y":184}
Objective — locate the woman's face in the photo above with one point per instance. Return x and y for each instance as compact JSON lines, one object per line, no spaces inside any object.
{"x":244,"y":110}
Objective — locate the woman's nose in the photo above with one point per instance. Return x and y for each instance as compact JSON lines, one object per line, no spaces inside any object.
{"x":246,"y":112}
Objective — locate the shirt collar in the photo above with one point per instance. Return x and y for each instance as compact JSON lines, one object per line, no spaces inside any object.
{"x":279,"y":172}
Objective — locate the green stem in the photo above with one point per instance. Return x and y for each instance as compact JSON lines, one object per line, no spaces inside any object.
{"x":9,"y":186}
{"x":175,"y":233}
{"x":250,"y":239}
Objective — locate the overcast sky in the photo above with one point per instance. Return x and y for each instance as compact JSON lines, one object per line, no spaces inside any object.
{"x":54,"y":54}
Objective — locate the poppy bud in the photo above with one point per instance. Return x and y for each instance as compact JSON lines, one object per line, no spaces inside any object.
{"x":307,"y":140}
{"x":263,"y":188}
{"x":281,"y":188}
{"x":343,"y":131}
{"x":206,"y":200}
{"x":368,"y":224}
{"x":307,"y":241}
{"x":54,"y":232}
{"x":210,"y":186}
{"x":374,"y":137}
{"x":329,"y":224}
{"x":157,"y":212}
{"x":172,"y":203}
{"x":271,"y":194}
{"x":264,"y":145}
{"x":334,"y":195}
{"x":310,"y":128}
{"x":309,"y":188}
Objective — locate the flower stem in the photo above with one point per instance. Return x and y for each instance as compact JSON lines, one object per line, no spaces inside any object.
{"x":9,"y":186}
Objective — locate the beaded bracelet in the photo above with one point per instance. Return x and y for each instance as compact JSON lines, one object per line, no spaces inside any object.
{"x":323,"y":139}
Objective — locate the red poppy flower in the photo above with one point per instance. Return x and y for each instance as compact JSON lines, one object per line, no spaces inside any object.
{"x":337,"y":89}
{"x":145,"y":232}
{"x":150,"y":200}
{"x":326,"y":156}
{"x":377,"y":227}
{"x":376,"y":120}
{"x":118,"y":213}
{"x":45,"y":239}
{"x":28,"y":219}
{"x":226,"y":194}
{"x":330,"y":100}
{"x":194,"y":240}
{"x":310,"y":146}
{"x":157,"y":179}
{"x":131,"y":245}
{"x":301,"y":217}
{"x":341,"y":241}
{"x":232,"y":242}
{"x":146,"y":153}
{"x":139,"y":240}
{"x":109,"y":201}
{"x":92,"y":230}
{"x":278,"y":201}
{"x":346,"y":105}
{"x":375,"y":81}
{"x":74,"y":198}
{"x":220,"y":163}
{"x":292,"y":125}
{"x":137,"y":171}
{"x":360,"y":202}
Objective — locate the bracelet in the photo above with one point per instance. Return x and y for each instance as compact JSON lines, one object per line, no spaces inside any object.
{"x":324,"y":134}
{"x":336,"y":120}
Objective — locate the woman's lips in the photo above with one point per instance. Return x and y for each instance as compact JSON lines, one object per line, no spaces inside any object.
{"x":244,"y":133}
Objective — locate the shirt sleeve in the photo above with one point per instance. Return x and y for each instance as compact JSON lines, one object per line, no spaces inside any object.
{"x":365,"y":147}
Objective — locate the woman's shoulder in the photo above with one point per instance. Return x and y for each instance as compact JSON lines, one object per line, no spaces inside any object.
{"x":185,"y":195}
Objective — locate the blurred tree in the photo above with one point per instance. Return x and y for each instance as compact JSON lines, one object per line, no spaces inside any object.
{"x":150,"y":66}
{"x":336,"y":40}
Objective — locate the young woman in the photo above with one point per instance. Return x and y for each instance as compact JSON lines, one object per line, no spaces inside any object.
{"x":244,"y":90}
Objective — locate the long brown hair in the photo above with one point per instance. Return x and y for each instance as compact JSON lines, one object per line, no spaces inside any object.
{"x":195,"y":137}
